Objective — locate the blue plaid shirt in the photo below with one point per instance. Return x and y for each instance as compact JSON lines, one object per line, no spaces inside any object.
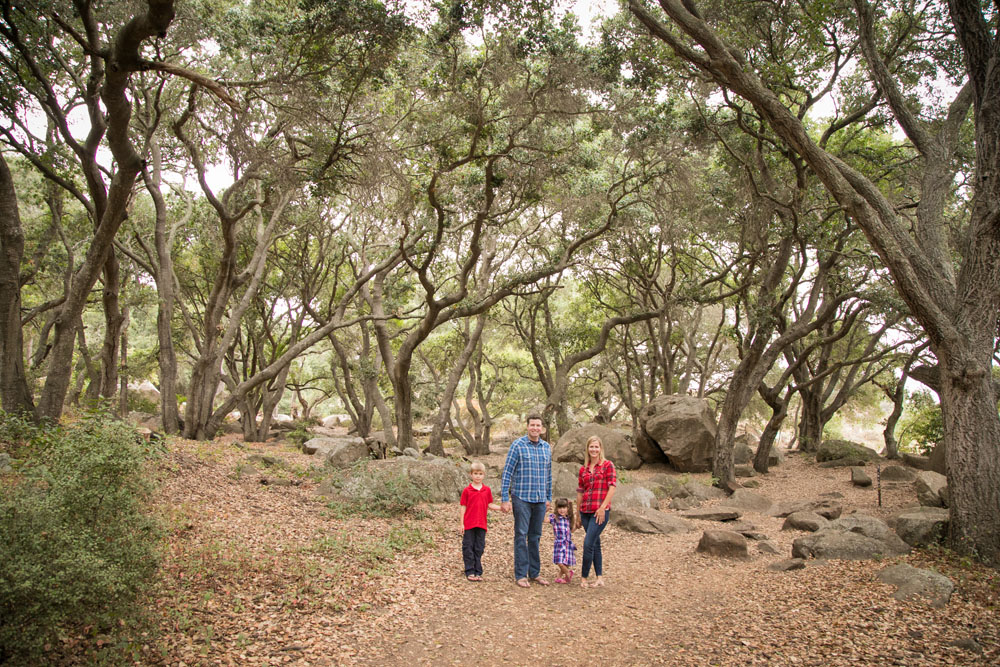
{"x":527,"y":473}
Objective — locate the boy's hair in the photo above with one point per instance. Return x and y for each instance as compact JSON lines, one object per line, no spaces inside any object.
{"x":477,"y":465}
{"x":574,"y":518}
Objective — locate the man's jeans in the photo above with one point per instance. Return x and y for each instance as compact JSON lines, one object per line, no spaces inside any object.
{"x":528,"y":519}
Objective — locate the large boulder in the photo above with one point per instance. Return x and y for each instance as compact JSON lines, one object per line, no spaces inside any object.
{"x":724,"y":543}
{"x":896,"y":473}
{"x":617,"y":446}
{"x":565,"y":479}
{"x":698,"y":491}
{"x":854,"y":537}
{"x":938,"y":459}
{"x":716,"y":513}
{"x":805,"y":520}
{"x":744,"y":448}
{"x":440,"y":480}
{"x":643,"y":520}
{"x":684,"y":428}
{"x":917,"y":461}
{"x":750,"y":501}
{"x":633,"y":495}
{"x":859,"y":477}
{"x":842,"y":451}
{"x":647,"y":450}
{"x":347,"y":451}
{"x":912,"y":582}
{"x":931,"y":488}
{"x":921,"y":526}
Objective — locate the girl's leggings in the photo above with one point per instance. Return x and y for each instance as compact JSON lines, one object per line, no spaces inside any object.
{"x":592,"y":542}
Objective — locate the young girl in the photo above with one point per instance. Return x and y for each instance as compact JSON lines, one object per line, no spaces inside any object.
{"x":564,"y":521}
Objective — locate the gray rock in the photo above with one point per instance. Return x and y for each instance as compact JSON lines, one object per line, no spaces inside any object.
{"x":917,"y":461}
{"x":854,"y":537}
{"x":682,"y":504}
{"x":346,"y":452}
{"x":931,"y":488}
{"x":744,"y":471}
{"x":750,"y":501}
{"x":648,"y":450}
{"x":828,"y":509}
{"x":766,"y":547}
{"x":744,"y":448}
{"x":859,"y":477}
{"x":939,"y":459}
{"x":807,"y":521}
{"x":921,"y":526}
{"x":968,"y":644}
{"x":835,"y":450}
{"x":440,"y":483}
{"x":684,"y":428}
{"x":5,"y":463}
{"x":724,"y":543}
{"x":788,"y":564}
{"x":699,"y":491}
{"x":914,"y":582}
{"x":565,"y":480}
{"x":633,"y":495}
{"x":617,"y":446}
{"x":712,"y":514}
{"x":642,"y":520}
{"x":664,"y":486}
{"x":751,"y":484}
{"x":894,"y":473}
{"x":411,"y":452}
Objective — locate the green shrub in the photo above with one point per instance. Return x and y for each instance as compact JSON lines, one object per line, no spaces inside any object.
{"x":76,"y":544}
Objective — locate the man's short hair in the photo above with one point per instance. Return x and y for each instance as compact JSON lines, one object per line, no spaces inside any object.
{"x":534,"y":415}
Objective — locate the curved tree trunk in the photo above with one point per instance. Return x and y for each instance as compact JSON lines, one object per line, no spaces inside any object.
{"x":436,"y":445}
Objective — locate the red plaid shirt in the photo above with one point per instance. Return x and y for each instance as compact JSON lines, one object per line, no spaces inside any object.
{"x":594,"y":485}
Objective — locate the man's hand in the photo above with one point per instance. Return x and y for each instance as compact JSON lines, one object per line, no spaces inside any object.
{"x":506,"y":507}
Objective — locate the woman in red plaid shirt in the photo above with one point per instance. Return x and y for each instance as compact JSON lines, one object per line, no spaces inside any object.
{"x":595,"y":489}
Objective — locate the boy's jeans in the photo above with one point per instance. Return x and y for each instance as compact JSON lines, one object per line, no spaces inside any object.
{"x":473,"y":545}
{"x":528,"y":519}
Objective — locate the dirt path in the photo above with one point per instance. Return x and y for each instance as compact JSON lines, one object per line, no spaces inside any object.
{"x":261,"y":574}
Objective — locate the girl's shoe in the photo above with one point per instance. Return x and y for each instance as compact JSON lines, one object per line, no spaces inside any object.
{"x":569,"y":577}
{"x":560,"y":580}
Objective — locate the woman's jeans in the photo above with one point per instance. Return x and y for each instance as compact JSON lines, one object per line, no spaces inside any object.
{"x":528,"y":519}
{"x":592,"y":542}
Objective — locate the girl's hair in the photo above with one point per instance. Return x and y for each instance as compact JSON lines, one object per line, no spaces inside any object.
{"x":586,"y":450}
{"x":574,"y":518}
{"x":477,"y":465}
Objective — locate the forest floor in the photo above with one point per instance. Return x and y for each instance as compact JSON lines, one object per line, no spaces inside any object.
{"x":267,"y":574}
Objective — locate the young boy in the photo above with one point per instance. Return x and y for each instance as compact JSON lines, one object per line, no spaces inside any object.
{"x":476,"y":498}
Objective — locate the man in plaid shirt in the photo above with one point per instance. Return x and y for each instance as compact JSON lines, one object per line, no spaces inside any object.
{"x":526,"y":487}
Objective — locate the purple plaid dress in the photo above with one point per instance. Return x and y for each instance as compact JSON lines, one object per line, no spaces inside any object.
{"x":563,"y":549}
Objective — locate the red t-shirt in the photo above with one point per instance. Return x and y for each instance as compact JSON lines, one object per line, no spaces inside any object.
{"x":595,"y":485}
{"x":476,"y":503}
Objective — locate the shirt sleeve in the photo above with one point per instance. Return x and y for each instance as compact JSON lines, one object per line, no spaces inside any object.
{"x":579,"y":480}
{"x":513,"y":455}
{"x":465,"y":496}
{"x":612,"y":475}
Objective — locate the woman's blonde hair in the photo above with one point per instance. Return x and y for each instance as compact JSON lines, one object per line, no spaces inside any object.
{"x":586,"y":451}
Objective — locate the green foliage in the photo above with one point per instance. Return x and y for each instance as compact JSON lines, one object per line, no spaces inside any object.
{"x":77,"y":547}
{"x":922,"y":422}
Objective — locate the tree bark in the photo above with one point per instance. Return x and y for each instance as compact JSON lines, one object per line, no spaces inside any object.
{"x":436,"y":445}
{"x":15,"y":394}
